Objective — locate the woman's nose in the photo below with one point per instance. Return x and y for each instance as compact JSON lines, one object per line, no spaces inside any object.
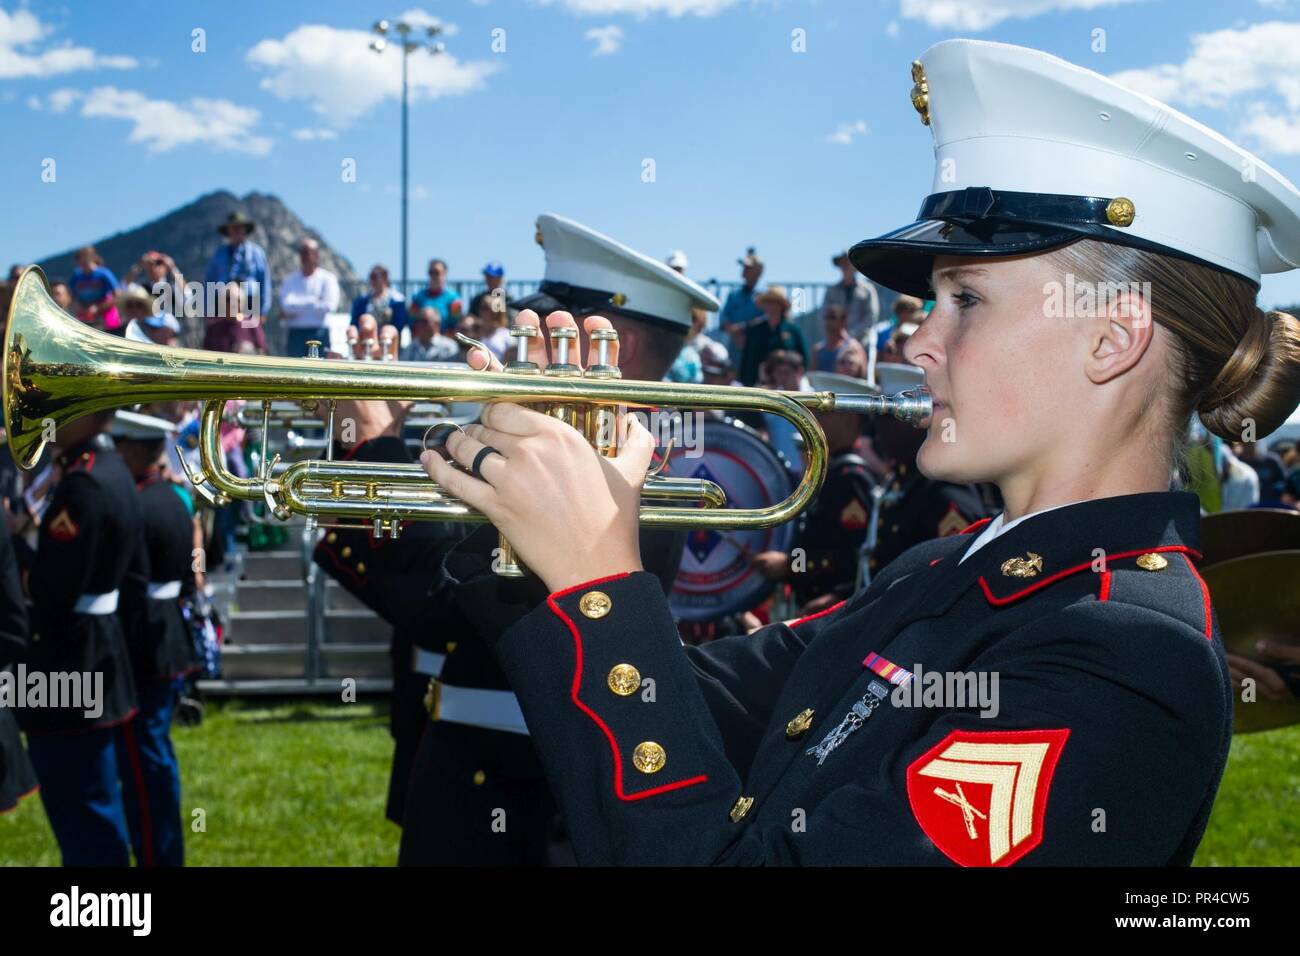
{"x":923,"y":346}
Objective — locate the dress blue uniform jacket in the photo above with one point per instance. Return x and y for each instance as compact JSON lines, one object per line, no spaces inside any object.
{"x":1111,"y":730}
{"x":90,"y":543}
{"x":17,"y":778}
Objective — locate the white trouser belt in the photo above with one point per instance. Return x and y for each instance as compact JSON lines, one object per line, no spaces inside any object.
{"x":426,"y":662}
{"x":162,"y":590}
{"x":97,"y":603}
{"x":476,"y":707}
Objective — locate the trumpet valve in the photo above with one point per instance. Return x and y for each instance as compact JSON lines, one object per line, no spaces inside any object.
{"x":523,"y":334}
{"x":562,"y":340}
{"x":603,"y":368}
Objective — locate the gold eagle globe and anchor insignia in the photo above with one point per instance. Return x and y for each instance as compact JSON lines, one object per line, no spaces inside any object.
{"x":1018,"y":567}
{"x":920,"y":92}
{"x":1120,"y":211}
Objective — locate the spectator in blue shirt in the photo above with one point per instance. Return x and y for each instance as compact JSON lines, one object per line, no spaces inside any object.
{"x":381,"y":300}
{"x":439,"y":296}
{"x":242,"y":260}
{"x":740,"y":309}
{"x":93,"y":288}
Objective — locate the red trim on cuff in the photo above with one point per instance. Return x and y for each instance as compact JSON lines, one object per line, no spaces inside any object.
{"x":604,"y":728}
{"x":588,"y":584}
{"x":339,"y":565}
{"x":812,"y":617}
{"x":1205,"y":599}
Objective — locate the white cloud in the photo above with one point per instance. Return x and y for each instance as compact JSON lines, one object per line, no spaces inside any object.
{"x":309,"y":135}
{"x":845,"y":133}
{"x":1226,"y":64}
{"x":422,"y":20}
{"x":1245,"y":70}
{"x":892,"y":28}
{"x":342,"y":78}
{"x":1279,"y":135}
{"x":56,"y":102}
{"x":985,"y":14}
{"x":163,"y":125}
{"x":642,"y":8}
{"x":608,"y":39}
{"x":20,"y":32}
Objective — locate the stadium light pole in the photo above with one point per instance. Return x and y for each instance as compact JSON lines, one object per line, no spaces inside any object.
{"x":407,"y":38}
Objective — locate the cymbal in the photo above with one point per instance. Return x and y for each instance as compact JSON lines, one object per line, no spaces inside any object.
{"x":1258,"y":596}
{"x":1231,"y":534}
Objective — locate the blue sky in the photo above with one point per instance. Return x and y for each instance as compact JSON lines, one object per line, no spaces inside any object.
{"x":797,"y":153}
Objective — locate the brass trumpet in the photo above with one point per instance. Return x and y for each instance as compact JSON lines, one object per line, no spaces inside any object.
{"x":57,"y":370}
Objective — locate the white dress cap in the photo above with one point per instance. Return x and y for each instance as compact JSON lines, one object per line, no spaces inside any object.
{"x":587,"y":269}
{"x":1032,"y":152}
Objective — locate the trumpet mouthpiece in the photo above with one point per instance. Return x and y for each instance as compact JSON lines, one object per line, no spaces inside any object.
{"x":912,"y":405}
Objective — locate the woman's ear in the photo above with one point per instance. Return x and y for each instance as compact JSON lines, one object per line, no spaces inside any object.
{"x":1119,"y":334}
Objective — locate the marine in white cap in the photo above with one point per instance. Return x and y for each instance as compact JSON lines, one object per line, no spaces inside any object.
{"x":646,"y":301}
{"x":158,"y":639}
{"x":470,"y":753}
{"x":1082,"y":596}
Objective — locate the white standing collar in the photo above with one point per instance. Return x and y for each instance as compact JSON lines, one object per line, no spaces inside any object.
{"x":1000,"y":525}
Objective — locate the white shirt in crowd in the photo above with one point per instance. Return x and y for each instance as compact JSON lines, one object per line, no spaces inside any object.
{"x":306,"y":300}
{"x":1240,"y":484}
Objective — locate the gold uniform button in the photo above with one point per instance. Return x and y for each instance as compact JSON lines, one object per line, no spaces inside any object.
{"x":361,"y":567}
{"x":740,"y":808}
{"x":649,"y":757}
{"x":347,"y":551}
{"x":451,"y":646}
{"x":479,"y":778}
{"x":799,"y":724}
{"x":595,"y":604}
{"x":331,"y":538}
{"x":1152,"y":562}
{"x":624,"y":680}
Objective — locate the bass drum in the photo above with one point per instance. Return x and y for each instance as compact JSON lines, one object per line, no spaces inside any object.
{"x":716,"y":579}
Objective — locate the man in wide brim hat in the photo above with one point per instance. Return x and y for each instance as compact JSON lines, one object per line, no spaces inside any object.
{"x":774,"y":294}
{"x":237,"y":218}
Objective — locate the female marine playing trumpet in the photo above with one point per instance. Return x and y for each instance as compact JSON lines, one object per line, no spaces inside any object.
{"x":843,"y":738}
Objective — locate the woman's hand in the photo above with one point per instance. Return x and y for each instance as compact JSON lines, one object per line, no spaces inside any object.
{"x":772,"y":565}
{"x":1268,"y":682}
{"x":570,"y":514}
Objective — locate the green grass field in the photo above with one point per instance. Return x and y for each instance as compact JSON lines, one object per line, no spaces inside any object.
{"x":302,"y":783}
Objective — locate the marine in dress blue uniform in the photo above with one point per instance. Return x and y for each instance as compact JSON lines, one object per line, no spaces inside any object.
{"x":395,"y":578}
{"x":826,"y":740}
{"x":159,"y":643}
{"x":723,"y":754}
{"x":17,"y":778}
{"x":89,"y":549}
{"x":476,"y":766}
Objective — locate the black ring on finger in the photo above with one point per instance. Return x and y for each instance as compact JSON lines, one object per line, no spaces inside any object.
{"x":478,"y":461}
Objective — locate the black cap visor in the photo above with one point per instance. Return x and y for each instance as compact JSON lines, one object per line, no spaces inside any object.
{"x":902,"y":260}
{"x":981,"y":222}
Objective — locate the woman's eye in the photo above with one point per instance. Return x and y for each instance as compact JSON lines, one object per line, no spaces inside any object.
{"x":965,"y":300}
